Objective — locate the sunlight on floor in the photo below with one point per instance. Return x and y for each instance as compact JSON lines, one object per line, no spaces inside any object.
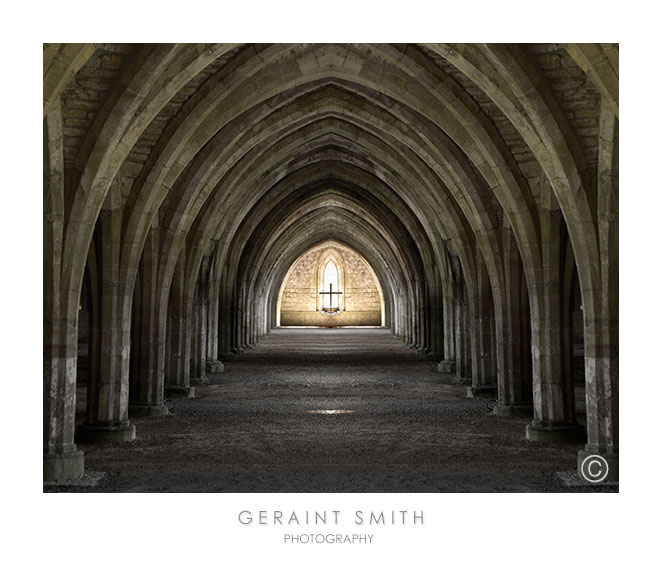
{"x":329,"y":411}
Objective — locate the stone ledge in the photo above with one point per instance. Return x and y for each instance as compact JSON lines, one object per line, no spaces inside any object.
{"x":180,"y":392}
{"x":90,"y":479}
{"x":105,"y":433}
{"x":573,"y":433}
{"x":67,"y":465}
{"x":524,"y":411}
{"x":447,"y":366}
{"x":482,"y":392}
{"x":571,"y":478}
{"x":149,"y":411}
{"x":213,"y":366}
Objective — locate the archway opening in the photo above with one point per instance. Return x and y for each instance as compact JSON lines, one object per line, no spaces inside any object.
{"x":330,"y":285}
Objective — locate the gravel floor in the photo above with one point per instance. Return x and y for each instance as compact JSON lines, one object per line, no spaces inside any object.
{"x":265,"y":425}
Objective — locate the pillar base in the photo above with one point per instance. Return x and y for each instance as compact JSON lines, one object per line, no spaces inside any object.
{"x":538,"y":432}
{"x":213,"y":366}
{"x":447,"y":366}
{"x":482,"y":392}
{"x":64,"y":466}
{"x":611,"y":458}
{"x":203,"y":380}
{"x":109,"y":433}
{"x":180,"y":392}
{"x":140,"y":410}
{"x":513,"y":410}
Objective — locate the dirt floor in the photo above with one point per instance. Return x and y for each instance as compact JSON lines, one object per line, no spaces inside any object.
{"x":405,"y":428}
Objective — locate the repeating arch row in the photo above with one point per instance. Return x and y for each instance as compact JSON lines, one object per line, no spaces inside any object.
{"x":402,"y":152}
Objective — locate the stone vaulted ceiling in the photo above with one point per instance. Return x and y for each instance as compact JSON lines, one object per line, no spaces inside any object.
{"x":441,"y":164}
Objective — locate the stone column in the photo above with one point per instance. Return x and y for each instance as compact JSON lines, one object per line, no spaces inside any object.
{"x":437,"y":321}
{"x":148,"y":343}
{"x":107,"y":419}
{"x":421,"y":342}
{"x":514,"y":384}
{"x":602,"y":395}
{"x":553,"y":393}
{"x":225,"y":323}
{"x":178,"y":353}
{"x":199,"y":334}
{"x":236,"y":344}
{"x":448,"y":313}
{"x":212,"y":362}
{"x":601,"y":312}
{"x":484,"y":364}
{"x":462,"y":333}
{"x":447,"y":316}
{"x":63,"y":461}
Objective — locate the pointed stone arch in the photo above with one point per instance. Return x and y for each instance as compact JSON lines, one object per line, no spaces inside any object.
{"x":308,"y":269}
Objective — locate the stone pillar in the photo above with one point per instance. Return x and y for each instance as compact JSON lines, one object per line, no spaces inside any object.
{"x":602,"y":397}
{"x":148,"y":331}
{"x":178,"y":353}
{"x":409,"y":315}
{"x":212,"y":362}
{"x":63,"y":461}
{"x":448,"y":314}
{"x":107,"y":419}
{"x":484,"y":364}
{"x":437,"y":324}
{"x":421,"y":342}
{"x":225,"y":323}
{"x":236,"y":344}
{"x":514,"y":384}
{"x":601,"y":311}
{"x":247,"y":311}
{"x":213,"y":322}
{"x":462,"y":332}
{"x":553,"y":393}
{"x":199,"y":334}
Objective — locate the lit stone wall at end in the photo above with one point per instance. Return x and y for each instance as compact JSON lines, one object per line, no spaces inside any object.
{"x":360,"y":302}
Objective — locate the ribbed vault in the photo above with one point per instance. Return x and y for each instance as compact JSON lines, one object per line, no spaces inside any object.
{"x":181,"y":182}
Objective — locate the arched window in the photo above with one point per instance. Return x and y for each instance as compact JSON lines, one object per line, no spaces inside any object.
{"x":330,"y":286}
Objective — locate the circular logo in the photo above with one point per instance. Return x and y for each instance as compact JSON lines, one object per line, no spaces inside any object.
{"x":594,"y":468}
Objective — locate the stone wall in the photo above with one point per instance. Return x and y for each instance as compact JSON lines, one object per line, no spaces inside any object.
{"x":313,"y":318}
{"x":360,"y":303}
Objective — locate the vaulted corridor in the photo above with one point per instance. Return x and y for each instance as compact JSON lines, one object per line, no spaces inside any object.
{"x":465,"y":195}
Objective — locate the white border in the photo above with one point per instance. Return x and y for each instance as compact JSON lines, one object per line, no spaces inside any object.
{"x":461,"y":528}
